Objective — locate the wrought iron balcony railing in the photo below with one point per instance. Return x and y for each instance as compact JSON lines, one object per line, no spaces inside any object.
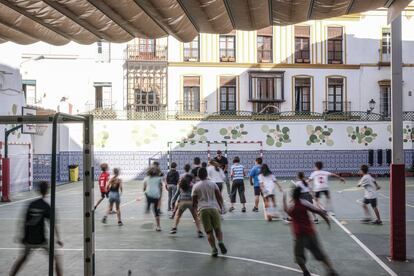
{"x":135,"y":53}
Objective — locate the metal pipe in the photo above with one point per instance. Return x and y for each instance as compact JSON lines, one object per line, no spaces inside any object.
{"x":41,"y":119}
{"x":53,"y":194}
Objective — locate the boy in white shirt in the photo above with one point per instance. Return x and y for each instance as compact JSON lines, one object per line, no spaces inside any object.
{"x":320,"y":185}
{"x":370,"y":196}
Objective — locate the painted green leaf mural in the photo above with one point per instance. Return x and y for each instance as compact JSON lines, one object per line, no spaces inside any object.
{"x":361,"y":134}
{"x":233,"y":132}
{"x":194,"y":135}
{"x":319,"y":135}
{"x":276,"y":136}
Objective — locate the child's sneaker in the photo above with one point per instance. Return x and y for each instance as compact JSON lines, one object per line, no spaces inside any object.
{"x":104,"y":219}
{"x":200,"y":234}
{"x":255,"y":209}
{"x":158,"y":229}
{"x":316,"y":221}
{"x":231,"y":209}
{"x":223,"y":248}
{"x":120,"y":223}
{"x":244,"y":210}
{"x":377,"y":222}
{"x":214,"y":252}
{"x":173,"y":230}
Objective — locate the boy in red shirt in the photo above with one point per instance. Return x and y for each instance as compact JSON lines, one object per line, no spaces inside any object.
{"x":103,"y":180}
{"x":305,"y":234}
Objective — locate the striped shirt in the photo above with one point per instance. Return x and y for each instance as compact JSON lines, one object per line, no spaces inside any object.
{"x":237,"y":172}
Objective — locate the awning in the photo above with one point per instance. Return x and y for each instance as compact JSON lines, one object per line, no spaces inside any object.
{"x":86,"y":21}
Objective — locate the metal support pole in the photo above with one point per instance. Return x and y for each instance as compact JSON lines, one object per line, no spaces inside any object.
{"x":397,"y":181}
{"x":53,"y":195}
{"x":88,"y":197}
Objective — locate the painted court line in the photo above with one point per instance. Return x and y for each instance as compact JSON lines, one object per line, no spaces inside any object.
{"x":383,"y":195}
{"x":175,"y":251}
{"x":365,"y":248}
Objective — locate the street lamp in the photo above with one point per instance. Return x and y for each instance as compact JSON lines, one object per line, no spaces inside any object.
{"x":371,"y":105}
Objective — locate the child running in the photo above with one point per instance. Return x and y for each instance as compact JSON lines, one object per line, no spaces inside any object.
{"x":34,"y":232}
{"x":305,"y":191}
{"x":184,"y":199}
{"x":196,"y":168}
{"x":153,"y":193}
{"x":320,"y":185}
{"x":370,"y":196}
{"x":304,"y":232}
{"x":172,"y":180}
{"x":207,"y":197}
{"x":115,"y":188}
{"x":268,"y":184}
{"x":103,"y":181}
{"x":254,"y":181}
{"x":237,"y":176}
{"x":216,"y":174}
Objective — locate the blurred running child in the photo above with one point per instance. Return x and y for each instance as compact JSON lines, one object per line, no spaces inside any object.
{"x":222,"y":160}
{"x":370,"y":196}
{"x":103,"y":181}
{"x":237,"y":176}
{"x":305,"y":191}
{"x":184,"y":202}
{"x":216,"y":174}
{"x":34,"y":231}
{"x":320,"y":185}
{"x":268,"y":184}
{"x":153,"y":193}
{"x":196,"y":167}
{"x":172,"y":180}
{"x":115,"y":188}
{"x":304,"y":232}
{"x":254,"y":181}
{"x":207,"y":197}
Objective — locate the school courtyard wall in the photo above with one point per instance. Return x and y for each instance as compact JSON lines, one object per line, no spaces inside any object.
{"x":288,"y":147}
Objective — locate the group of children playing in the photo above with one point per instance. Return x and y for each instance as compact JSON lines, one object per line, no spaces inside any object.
{"x":199,"y":189}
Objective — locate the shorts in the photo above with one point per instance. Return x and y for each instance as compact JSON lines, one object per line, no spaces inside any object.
{"x":211,"y":219}
{"x":372,"y":201}
{"x":220,"y":185}
{"x":319,"y":193}
{"x":114,"y":197}
{"x":257,"y":191}
{"x":307,"y":197}
{"x":104,"y":194}
{"x":154,"y":201}
{"x":184,"y":205}
{"x":311,"y":243}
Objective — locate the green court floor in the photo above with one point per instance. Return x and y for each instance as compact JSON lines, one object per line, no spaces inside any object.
{"x":255,"y":246}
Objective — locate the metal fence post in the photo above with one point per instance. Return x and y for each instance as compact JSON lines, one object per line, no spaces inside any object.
{"x":88,"y":198}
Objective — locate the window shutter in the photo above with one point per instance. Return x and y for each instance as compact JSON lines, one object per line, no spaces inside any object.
{"x":227,"y":81}
{"x":192,"y":81}
{"x":335,"y":32}
{"x":302,"y":31}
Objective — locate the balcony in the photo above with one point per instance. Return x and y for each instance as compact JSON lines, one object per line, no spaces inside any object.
{"x":332,"y":107}
{"x":134,"y":53}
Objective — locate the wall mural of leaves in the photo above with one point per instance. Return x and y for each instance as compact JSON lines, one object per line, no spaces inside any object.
{"x":319,"y":135}
{"x":408,"y":134}
{"x":276,"y":136}
{"x":362,"y":135}
{"x":101,"y":137}
{"x":233,"y":132}
{"x":193,"y":136}
{"x":144,"y":136}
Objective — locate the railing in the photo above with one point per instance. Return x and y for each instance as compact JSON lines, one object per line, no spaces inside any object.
{"x":191,"y":107}
{"x":103,"y":104}
{"x":107,"y":114}
{"x":133,"y":53}
{"x":346,"y":106}
{"x":264,"y":56}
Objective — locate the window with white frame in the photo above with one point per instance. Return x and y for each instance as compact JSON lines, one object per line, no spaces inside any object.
{"x":191,"y":50}
{"x":103,"y":51}
{"x":103,"y":95}
{"x":386,"y":45}
{"x":227,"y":48}
{"x":385,"y":100}
{"x":335,"y":101}
{"x":335,"y":42}
{"x":29,"y":90}
{"x":227,"y":94}
{"x":302,"y":94}
{"x":191,"y":94}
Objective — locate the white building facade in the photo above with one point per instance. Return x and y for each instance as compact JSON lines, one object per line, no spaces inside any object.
{"x":335,"y":65}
